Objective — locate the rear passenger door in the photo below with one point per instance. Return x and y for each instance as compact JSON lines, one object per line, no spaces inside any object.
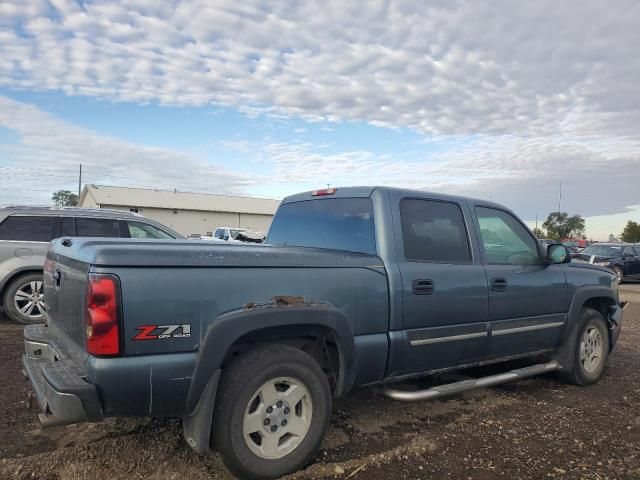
{"x":528,"y":300}
{"x":444,"y":287}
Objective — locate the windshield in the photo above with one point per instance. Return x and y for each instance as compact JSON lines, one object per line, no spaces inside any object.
{"x":337,"y":223}
{"x":603,"y":250}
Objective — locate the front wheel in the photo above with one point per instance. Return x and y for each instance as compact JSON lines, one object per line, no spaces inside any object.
{"x":592,"y":349}
{"x":272,"y":412}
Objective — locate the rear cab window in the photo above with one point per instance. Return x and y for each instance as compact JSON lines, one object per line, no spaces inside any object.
{"x":332,"y":223}
{"x":27,"y":228}
{"x":434,"y":231}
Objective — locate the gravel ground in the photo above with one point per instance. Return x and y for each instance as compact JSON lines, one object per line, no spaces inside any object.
{"x":531,"y":429}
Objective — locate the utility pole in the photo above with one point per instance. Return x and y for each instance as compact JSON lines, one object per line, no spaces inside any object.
{"x":560,"y":198}
{"x":80,"y":182}
{"x":536,"y":223}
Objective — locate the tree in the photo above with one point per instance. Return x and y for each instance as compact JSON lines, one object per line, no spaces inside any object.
{"x":560,"y":225}
{"x":539,"y":233}
{"x":65,"y":198}
{"x":631,"y":232}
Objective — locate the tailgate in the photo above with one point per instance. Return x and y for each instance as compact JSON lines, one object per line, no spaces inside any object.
{"x":65,"y":287}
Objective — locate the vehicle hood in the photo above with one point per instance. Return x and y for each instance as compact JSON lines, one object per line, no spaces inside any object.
{"x":587,"y":258}
{"x":189,"y":253}
{"x":588,"y":266}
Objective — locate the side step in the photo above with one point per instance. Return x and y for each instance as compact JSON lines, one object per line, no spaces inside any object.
{"x":464,"y":385}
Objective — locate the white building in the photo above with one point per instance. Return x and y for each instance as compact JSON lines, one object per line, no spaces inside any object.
{"x":186,"y":213}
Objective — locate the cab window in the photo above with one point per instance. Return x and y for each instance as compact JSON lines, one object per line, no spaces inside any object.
{"x":506,"y":241}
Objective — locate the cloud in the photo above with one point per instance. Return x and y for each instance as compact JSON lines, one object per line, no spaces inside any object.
{"x":455,"y":67}
{"x":512,"y":97}
{"x":599,"y":177}
{"x":48,"y":151}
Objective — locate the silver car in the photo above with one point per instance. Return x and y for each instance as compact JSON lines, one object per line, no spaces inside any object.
{"x":25,"y":233}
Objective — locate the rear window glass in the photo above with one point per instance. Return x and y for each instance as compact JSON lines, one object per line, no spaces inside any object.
{"x":336,"y":223}
{"x":26,"y":228}
{"x":97,"y":227}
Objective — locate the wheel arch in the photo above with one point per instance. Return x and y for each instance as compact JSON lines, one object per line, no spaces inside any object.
{"x":13,"y":275}
{"x":268,"y":324}
{"x":598,"y":298}
{"x":256,"y":327}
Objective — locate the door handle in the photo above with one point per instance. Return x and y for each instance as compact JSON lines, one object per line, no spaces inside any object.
{"x":422,"y":287}
{"x":498,"y":284}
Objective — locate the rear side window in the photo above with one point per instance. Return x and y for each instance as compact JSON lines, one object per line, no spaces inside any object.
{"x":434,"y":231}
{"x":336,"y":223}
{"x":27,"y":228}
{"x":97,"y":227}
{"x":68,"y":229}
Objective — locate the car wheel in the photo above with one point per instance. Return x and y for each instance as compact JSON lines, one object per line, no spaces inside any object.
{"x":619,"y":273}
{"x":592,"y":349}
{"x":272,"y":412}
{"x":24,"y":299}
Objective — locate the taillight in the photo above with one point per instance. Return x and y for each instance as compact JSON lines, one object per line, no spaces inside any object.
{"x":323,"y":192}
{"x":102,"y":322}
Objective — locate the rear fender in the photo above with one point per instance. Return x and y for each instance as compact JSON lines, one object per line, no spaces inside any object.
{"x":227,"y":329}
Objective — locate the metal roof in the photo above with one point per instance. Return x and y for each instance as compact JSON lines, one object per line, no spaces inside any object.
{"x":175,"y":200}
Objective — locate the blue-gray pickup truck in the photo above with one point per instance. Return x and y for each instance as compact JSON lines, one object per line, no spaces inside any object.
{"x":355,"y":286}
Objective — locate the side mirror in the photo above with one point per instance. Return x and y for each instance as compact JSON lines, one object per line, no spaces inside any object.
{"x":558,"y":253}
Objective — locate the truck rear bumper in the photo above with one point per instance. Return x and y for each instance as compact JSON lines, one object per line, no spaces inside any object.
{"x":62,"y":394}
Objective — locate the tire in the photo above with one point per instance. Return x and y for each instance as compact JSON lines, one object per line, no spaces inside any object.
{"x":240,"y":408}
{"x":584,"y":371}
{"x":20,"y":294}
{"x":619,"y":273}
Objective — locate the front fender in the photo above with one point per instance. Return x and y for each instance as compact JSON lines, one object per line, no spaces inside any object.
{"x":225,"y":330}
{"x":566,"y":353}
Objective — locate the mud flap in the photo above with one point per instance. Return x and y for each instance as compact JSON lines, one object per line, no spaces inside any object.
{"x":196,"y":428}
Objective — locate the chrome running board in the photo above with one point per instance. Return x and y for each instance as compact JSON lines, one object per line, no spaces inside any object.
{"x":464,"y":385}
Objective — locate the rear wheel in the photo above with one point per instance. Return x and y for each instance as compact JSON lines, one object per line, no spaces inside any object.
{"x":24,"y":299}
{"x":271,"y":413}
{"x":592,"y":349}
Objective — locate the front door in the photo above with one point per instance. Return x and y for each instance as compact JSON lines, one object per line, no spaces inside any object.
{"x":444,"y":286}
{"x":528,"y":300}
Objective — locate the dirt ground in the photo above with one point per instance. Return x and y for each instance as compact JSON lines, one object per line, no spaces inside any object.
{"x":531,"y":429}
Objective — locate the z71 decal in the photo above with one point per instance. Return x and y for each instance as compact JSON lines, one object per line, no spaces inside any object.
{"x":156,"y":332}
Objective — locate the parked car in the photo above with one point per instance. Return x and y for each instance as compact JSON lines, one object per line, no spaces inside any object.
{"x":622,"y":258}
{"x":356,"y":286}
{"x":228,"y":234}
{"x":25,"y":233}
{"x":575,"y":244}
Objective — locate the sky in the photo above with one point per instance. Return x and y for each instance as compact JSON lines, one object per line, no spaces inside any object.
{"x":508,"y":101}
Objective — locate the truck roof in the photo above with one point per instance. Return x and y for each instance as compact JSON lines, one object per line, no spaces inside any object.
{"x":364,"y":191}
